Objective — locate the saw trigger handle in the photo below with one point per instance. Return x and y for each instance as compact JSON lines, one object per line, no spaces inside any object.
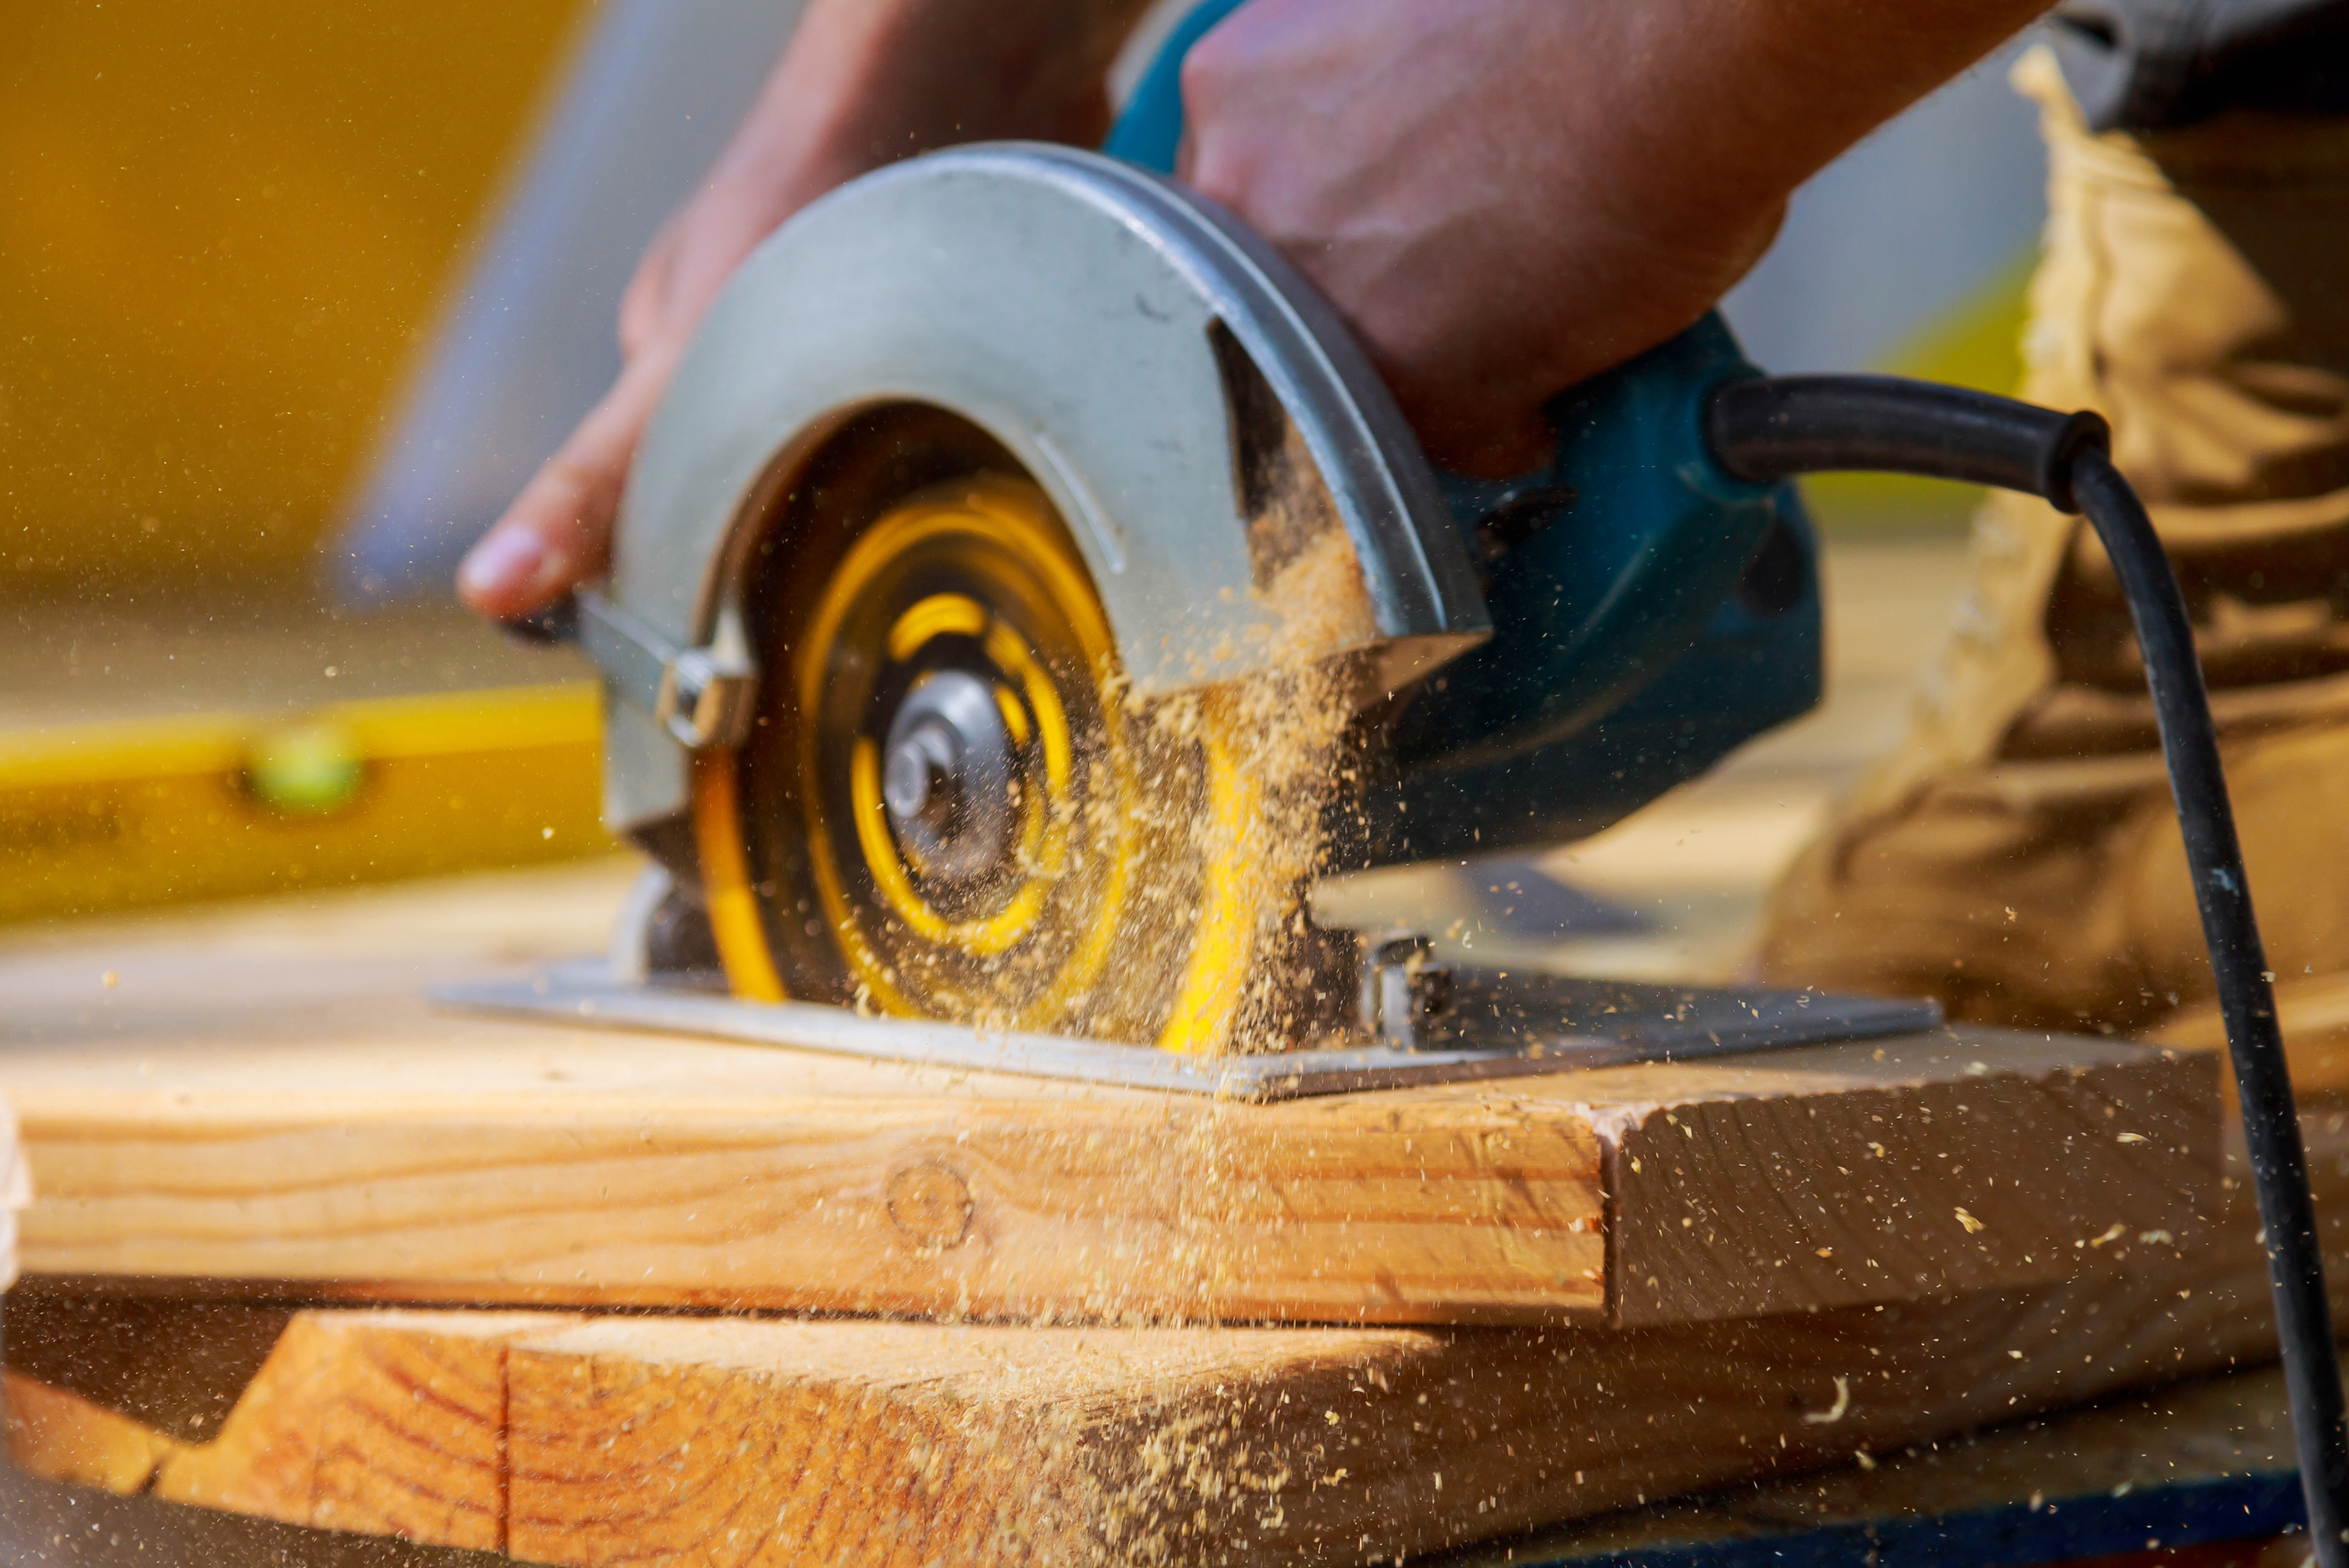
{"x":700,"y":696}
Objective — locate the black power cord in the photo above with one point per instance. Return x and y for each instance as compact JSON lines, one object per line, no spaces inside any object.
{"x":1771,"y":429}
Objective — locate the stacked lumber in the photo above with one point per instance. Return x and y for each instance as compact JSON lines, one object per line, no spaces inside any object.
{"x":583,"y":1439}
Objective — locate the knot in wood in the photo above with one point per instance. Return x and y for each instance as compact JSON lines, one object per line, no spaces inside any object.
{"x":930,"y":1204}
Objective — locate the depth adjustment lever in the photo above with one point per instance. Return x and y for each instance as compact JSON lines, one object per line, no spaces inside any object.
{"x":1405,"y":989}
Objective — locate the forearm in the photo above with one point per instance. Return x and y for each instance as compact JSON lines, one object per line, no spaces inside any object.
{"x":863,"y":83}
{"x":866,"y":83}
{"x":1732,"y":104}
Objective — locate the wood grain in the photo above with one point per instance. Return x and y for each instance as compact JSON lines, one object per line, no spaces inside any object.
{"x":1116,"y":1208}
{"x":375,"y":1150}
{"x":355,"y":1424}
{"x":1733,"y":1209}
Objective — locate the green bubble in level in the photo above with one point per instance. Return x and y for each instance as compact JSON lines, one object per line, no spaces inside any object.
{"x":310,"y":769}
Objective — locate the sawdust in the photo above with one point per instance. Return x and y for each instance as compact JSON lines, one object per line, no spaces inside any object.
{"x":1178,"y":1482}
{"x":1277,"y":740}
{"x":1214,"y":800}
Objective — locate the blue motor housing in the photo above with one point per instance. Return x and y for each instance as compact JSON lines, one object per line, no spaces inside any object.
{"x":1666,"y":614}
{"x":1651,"y":612}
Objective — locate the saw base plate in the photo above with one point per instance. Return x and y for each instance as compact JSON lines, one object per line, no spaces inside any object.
{"x":1501,"y":1026}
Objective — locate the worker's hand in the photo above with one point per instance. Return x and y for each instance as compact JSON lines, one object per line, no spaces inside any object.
{"x":1506,"y":196}
{"x":558,"y":531}
{"x":864,"y":81}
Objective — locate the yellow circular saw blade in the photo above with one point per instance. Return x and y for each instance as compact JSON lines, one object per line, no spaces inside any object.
{"x":1124,"y":904}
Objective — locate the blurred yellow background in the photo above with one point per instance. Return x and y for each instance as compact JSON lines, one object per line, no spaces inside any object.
{"x":225,"y":233}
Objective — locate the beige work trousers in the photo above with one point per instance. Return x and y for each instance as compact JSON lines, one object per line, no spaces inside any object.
{"x":2018,"y":856}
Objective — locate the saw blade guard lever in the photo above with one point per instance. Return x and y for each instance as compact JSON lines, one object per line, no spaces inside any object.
{"x":702,"y":696}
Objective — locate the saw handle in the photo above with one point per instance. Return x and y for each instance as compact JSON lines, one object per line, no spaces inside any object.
{"x":1595,"y":605}
{"x":1638,"y":538}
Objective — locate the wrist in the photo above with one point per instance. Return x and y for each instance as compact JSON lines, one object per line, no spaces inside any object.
{"x":868,"y":82}
{"x":1685,"y":125}
{"x":1729,"y":108}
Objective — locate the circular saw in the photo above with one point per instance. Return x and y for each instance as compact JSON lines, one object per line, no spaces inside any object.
{"x":988,"y":483}
{"x":1027,"y":583}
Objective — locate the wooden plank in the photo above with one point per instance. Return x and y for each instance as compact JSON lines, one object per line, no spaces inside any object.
{"x":1819,"y":1177}
{"x":2207,"y":1462}
{"x":60,"y":1436}
{"x":2202,"y":1463}
{"x":667,"y":1440}
{"x":1729,"y":1208}
{"x":1112,"y":1209}
{"x":267,"y":1100}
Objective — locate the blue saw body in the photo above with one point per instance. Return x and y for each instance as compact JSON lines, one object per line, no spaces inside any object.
{"x":1651,"y":612}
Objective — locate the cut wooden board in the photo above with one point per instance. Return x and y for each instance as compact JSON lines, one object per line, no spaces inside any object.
{"x":354,"y":1145}
{"x":678,"y":1440}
